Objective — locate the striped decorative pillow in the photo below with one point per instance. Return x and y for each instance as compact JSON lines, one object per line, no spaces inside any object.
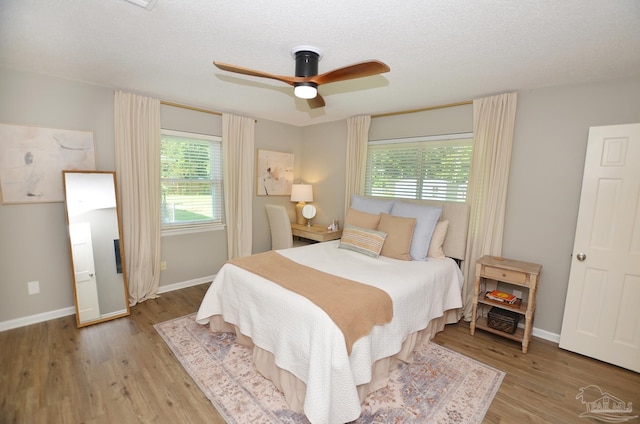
{"x":362,"y":240}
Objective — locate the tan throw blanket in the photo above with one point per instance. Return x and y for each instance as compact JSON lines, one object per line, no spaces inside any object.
{"x":353,"y":306}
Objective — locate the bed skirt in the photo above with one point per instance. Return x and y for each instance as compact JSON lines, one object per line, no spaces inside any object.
{"x":294,"y":389}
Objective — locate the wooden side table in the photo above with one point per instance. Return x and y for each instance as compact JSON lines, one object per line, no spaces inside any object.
{"x":490,"y":271}
{"x":315,"y":232}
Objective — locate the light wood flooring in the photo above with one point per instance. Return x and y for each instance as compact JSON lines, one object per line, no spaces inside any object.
{"x":122,"y":372}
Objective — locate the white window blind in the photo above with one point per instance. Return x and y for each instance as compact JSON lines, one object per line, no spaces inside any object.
{"x":191,"y":180}
{"x":434,"y":168}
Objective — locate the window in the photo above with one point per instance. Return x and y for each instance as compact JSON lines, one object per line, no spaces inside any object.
{"x":191,"y":180}
{"x":435,"y":167}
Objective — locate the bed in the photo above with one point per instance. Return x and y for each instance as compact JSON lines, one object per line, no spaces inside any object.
{"x":300,"y":347}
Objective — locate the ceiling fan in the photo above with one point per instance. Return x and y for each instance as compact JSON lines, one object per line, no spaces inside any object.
{"x":306,"y":79}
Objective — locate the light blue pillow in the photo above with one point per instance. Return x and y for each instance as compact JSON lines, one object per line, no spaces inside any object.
{"x":426,"y":218}
{"x":371,"y":205}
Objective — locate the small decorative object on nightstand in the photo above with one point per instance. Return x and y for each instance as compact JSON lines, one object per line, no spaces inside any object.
{"x":499,"y":316}
{"x":308,"y":212}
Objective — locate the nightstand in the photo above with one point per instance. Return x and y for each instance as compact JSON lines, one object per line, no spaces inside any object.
{"x":490,"y":271}
{"x":315,"y":232}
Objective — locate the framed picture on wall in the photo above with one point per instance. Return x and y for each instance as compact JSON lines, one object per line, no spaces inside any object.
{"x":32,"y":160}
{"x":274,"y":173}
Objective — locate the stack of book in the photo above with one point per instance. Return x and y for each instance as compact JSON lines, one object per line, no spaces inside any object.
{"x":502,"y":297}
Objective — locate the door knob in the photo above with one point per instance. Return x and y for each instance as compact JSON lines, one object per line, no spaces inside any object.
{"x":581,"y":257}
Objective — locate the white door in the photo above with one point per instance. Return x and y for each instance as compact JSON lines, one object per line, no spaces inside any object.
{"x":602,"y":309}
{"x":84,"y":271}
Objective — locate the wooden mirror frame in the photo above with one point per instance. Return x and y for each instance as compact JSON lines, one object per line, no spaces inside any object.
{"x":90,"y":203}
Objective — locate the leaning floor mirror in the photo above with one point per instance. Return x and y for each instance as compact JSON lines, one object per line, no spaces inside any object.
{"x":95,"y":246}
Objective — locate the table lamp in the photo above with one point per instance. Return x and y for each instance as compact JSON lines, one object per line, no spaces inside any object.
{"x":301,"y":193}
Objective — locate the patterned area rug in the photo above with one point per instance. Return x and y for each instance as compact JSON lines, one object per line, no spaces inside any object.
{"x":440,"y":386}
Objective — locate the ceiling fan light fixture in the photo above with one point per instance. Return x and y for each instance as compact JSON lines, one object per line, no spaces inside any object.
{"x":305,"y":90}
{"x":306,"y":80}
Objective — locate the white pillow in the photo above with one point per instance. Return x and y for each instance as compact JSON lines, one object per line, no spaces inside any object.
{"x":437,"y":240}
{"x":370,"y":205}
{"x":426,"y":218}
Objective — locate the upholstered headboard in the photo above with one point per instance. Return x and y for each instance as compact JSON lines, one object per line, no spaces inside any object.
{"x":457,"y":213}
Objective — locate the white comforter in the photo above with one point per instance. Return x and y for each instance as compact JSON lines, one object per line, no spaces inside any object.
{"x":307,"y":343}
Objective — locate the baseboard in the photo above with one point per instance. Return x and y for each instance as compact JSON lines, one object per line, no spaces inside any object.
{"x":184,"y":284}
{"x":543,"y":334}
{"x":113,"y":314}
{"x":46,"y":316}
{"x":59,"y":313}
{"x":34,"y":319}
{"x":547,"y":335}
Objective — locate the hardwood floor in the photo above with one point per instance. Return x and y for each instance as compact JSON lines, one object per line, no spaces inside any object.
{"x":541,"y":385}
{"x":122,"y":372}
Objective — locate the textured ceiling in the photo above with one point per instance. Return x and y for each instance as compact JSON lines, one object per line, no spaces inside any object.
{"x":439,"y":51}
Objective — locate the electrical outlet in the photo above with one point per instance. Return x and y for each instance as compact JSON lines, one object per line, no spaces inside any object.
{"x":517,"y":293}
{"x":33,"y":287}
{"x":163,"y":266}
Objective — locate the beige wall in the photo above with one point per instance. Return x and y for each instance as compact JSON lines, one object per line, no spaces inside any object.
{"x":196,"y":255}
{"x":324,"y":150}
{"x":33,"y":237}
{"x":547,"y":162}
{"x":323,"y":165}
{"x":450,"y":120}
{"x":280,"y":138}
{"x":546,"y":171}
{"x":544,"y":186}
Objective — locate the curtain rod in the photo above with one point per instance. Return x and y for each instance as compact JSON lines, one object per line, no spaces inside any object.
{"x":197,"y":109}
{"x":424,"y":109}
{"x":380,"y":115}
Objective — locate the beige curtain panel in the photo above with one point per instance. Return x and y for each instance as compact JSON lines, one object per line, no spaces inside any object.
{"x":137,"y":155}
{"x":493,"y":127}
{"x":356,"y":156}
{"x":238,"y":153}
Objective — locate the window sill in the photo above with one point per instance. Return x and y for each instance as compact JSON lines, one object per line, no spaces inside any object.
{"x":169,"y":232}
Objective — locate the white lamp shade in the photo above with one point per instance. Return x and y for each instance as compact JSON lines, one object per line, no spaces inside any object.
{"x":301,"y":193}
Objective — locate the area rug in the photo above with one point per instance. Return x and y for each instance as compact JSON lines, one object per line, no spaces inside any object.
{"x":440,"y":386}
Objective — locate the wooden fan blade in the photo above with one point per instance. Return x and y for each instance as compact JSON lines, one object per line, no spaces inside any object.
{"x":316,"y":103}
{"x":254,"y":73}
{"x":358,"y":70}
